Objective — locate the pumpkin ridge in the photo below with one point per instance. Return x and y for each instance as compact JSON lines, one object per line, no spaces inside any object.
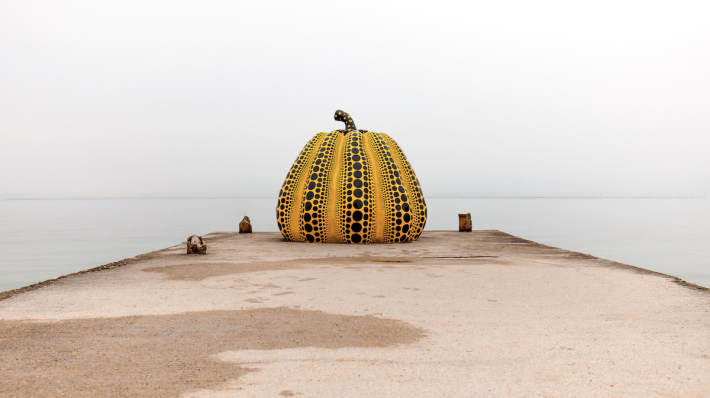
{"x":356,"y":206}
{"x":340,"y":208}
{"x":342,"y":197}
{"x":332,"y":233}
{"x":395,"y":194}
{"x":378,"y":201}
{"x":411,"y":182}
{"x":290,"y":194}
{"x":313,"y":212}
{"x":371,"y":210}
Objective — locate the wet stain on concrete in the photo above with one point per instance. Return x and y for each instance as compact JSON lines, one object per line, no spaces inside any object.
{"x":196,"y":271}
{"x":464,"y":257}
{"x":270,"y":286}
{"x":200,"y":271}
{"x":168,"y":355}
{"x":255,"y":301}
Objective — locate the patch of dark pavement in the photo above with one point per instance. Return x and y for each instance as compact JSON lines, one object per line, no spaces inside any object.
{"x":168,"y":355}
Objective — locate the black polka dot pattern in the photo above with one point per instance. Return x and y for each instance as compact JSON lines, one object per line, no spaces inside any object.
{"x":355,"y":209}
{"x":317,"y":191}
{"x":397,"y":217}
{"x":351,"y":186}
{"x":417,"y":202}
{"x":289,"y":190}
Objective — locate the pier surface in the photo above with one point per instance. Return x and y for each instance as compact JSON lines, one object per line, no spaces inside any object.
{"x":453,"y":314}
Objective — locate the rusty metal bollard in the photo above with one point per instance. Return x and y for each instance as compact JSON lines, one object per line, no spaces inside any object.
{"x":465,"y":222}
{"x":195,"y":245}
{"x":245,"y":226}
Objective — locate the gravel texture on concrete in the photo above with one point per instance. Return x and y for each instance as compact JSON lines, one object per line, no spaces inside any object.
{"x":453,"y":314}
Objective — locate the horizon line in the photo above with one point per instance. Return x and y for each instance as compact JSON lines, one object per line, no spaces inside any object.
{"x":431,"y":197}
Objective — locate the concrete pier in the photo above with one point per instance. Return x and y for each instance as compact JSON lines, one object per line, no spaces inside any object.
{"x":453,"y":314}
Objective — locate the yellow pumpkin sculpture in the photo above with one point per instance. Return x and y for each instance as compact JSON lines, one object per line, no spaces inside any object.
{"x":351,"y":186}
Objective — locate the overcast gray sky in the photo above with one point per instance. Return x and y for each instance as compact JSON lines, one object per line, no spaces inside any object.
{"x":211,"y":99}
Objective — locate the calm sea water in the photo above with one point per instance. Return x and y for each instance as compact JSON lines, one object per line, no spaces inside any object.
{"x":42,"y":239}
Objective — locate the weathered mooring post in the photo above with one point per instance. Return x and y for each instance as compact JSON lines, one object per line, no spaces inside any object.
{"x":195,"y":245}
{"x":245,"y":226}
{"x":465,"y":222}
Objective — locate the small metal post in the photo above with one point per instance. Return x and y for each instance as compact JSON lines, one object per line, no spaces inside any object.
{"x":245,"y":226}
{"x":465,"y":222}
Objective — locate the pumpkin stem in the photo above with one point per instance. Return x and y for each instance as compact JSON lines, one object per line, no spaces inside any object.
{"x":343,"y":116}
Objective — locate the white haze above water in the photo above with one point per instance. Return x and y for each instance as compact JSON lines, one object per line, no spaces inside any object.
{"x":216,"y":98}
{"x":43,"y":239}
